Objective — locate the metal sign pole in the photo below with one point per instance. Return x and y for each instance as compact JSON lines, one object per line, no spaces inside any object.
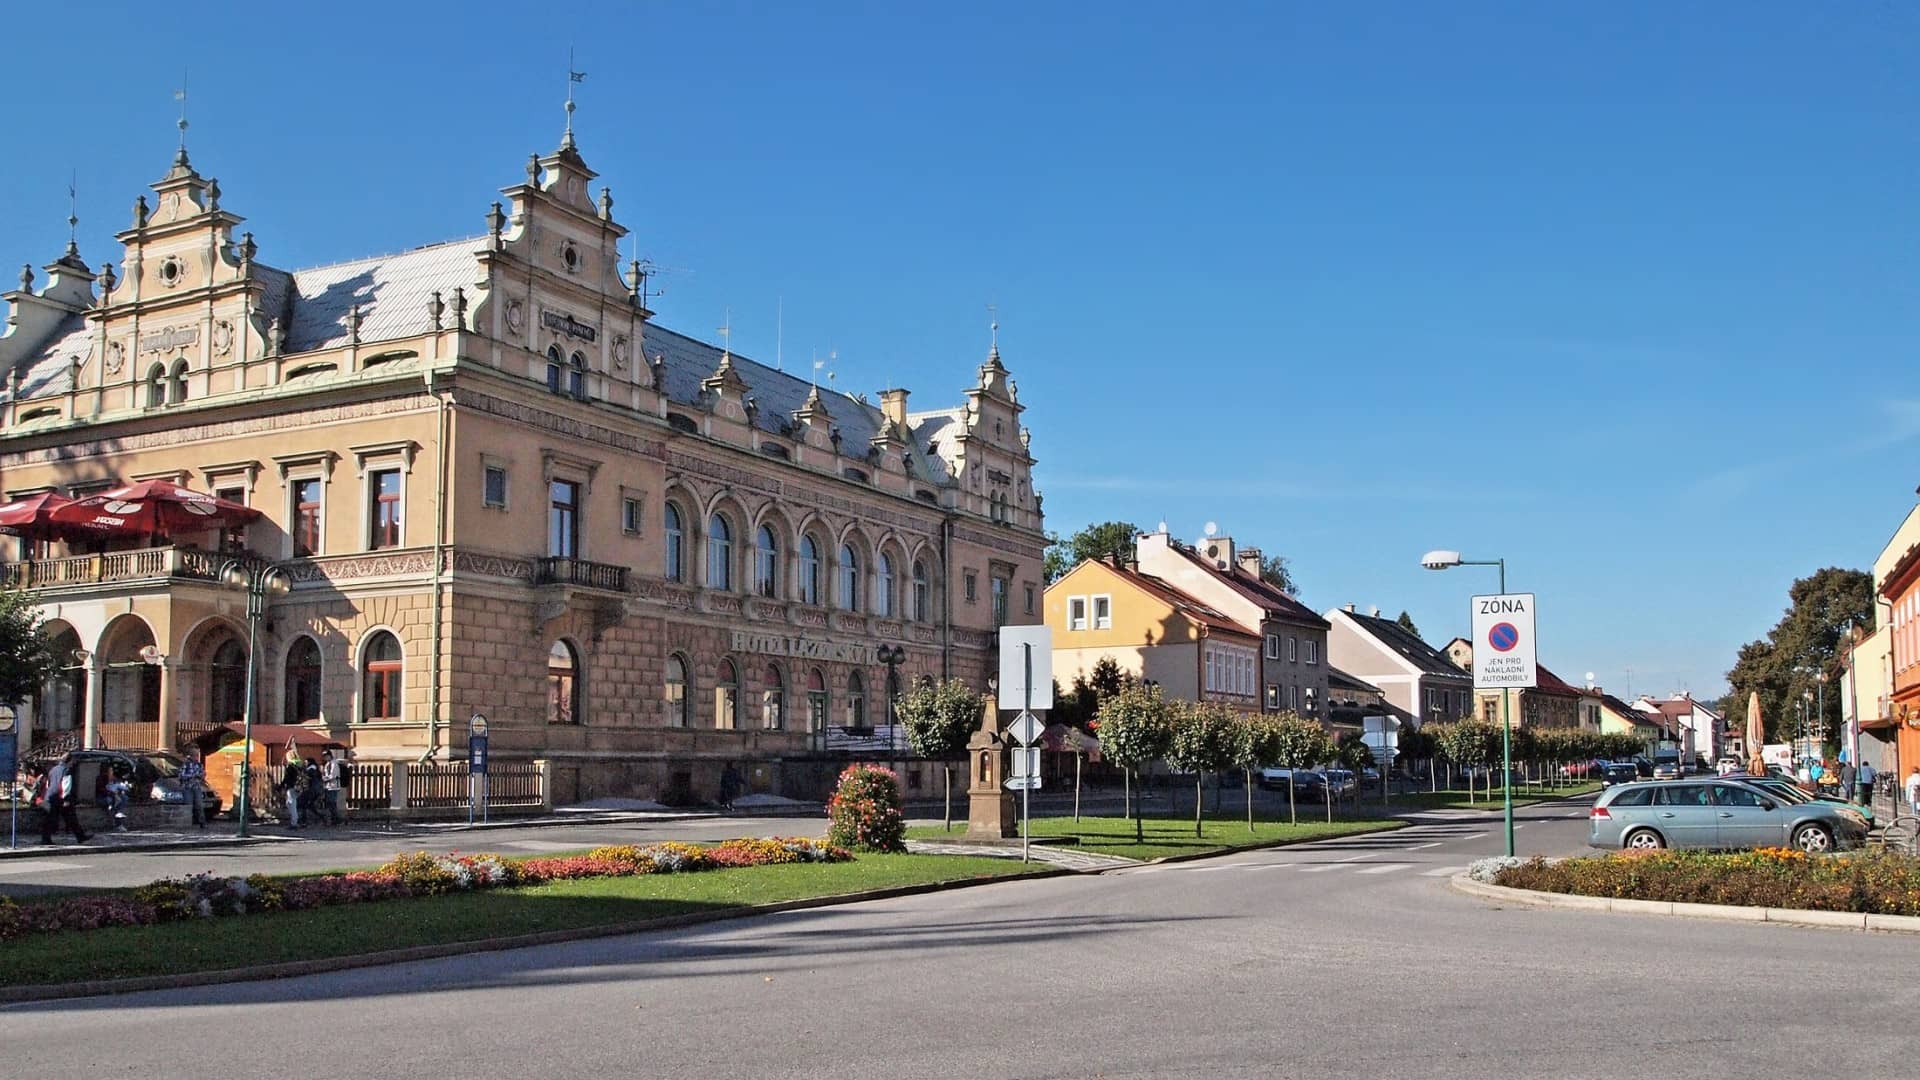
{"x":1026,"y":792}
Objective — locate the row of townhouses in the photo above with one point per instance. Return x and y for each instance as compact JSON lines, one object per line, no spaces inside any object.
{"x":1880,"y":666}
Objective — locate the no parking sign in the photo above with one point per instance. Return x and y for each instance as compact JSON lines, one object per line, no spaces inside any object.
{"x":1503,"y":645}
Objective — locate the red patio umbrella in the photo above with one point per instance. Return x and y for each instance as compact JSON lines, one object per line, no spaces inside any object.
{"x":152,"y":507}
{"x":32,"y":516}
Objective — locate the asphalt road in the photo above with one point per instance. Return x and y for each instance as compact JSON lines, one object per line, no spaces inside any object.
{"x":1310,"y":961}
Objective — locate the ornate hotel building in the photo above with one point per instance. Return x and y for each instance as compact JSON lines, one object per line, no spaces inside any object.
{"x":498,"y":487}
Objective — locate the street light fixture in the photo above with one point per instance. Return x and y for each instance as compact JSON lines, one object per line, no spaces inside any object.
{"x":261,"y":581}
{"x":1442,"y":559}
{"x":892,"y":656}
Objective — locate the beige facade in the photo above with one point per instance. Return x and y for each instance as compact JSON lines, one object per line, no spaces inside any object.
{"x":499,"y":486}
{"x":1157,"y":633}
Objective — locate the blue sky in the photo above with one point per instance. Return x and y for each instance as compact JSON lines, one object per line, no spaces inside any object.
{"x":1626,"y":295}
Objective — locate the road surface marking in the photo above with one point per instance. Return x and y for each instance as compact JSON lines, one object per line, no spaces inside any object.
{"x":1517,"y":828}
{"x":1357,"y":858}
{"x":1384,"y":868}
{"x":1319,"y":868}
{"x":1423,"y":847}
{"x":1443,"y":871}
{"x":1472,"y":836}
{"x":38,"y":866}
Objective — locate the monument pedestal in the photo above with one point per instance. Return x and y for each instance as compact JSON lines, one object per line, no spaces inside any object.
{"x":990,"y":812}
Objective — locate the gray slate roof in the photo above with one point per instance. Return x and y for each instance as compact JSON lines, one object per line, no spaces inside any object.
{"x":391,"y":290}
{"x":1397,"y":638}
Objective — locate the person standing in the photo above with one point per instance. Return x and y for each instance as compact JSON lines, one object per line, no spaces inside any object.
{"x":60,"y":804}
{"x":333,"y":779}
{"x":193,"y":779}
{"x":1865,"y":778}
{"x":292,"y":777}
{"x":1847,"y":774}
{"x":1913,"y":788}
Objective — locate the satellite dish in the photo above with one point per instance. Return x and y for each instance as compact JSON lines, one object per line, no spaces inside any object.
{"x":1589,"y":678}
{"x":1212,"y":528}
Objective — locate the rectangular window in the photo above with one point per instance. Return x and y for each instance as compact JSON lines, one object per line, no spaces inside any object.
{"x":1273,"y":696}
{"x":999,"y":601}
{"x":631,"y":514}
{"x":973,"y":586}
{"x":1293,"y":697}
{"x":1273,"y":646}
{"x":1076,"y":613}
{"x":1103,"y":613}
{"x":1293,"y":649}
{"x":1210,"y":679}
{"x":232,"y":541}
{"x":563,"y":519}
{"x":306,"y":518}
{"x":493,"y":491}
{"x":383,"y":509}
{"x":1030,"y":601}
{"x":1313,"y":651}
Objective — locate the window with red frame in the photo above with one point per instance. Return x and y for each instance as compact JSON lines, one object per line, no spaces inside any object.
{"x":383,"y":510}
{"x":384,"y":670}
{"x":306,"y":518}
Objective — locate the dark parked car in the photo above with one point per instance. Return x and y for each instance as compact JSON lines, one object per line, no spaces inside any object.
{"x":155,"y":775}
{"x":1642,"y":765}
{"x":1307,"y":784}
{"x":1717,"y":814}
{"x":1618,"y":772}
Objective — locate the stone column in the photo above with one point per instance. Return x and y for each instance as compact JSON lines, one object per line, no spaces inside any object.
{"x":990,"y":813}
{"x":96,"y":701}
{"x":169,"y":688}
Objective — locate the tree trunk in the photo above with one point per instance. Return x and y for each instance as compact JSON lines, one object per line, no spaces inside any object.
{"x":1293,"y":815}
{"x":1199,"y":800}
{"x":1249,"y":800}
{"x":1126,"y":793}
{"x":1329,"y":790}
{"x":1076,"y":785}
{"x":1139,"y":826}
{"x":948,"y":774}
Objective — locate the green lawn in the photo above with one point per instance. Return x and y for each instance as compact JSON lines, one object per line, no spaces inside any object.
{"x":352,"y":929}
{"x":1174,"y":835}
{"x":1446,"y":799}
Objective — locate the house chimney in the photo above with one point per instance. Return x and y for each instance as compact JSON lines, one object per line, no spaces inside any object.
{"x":1373,"y":610}
{"x":1249,"y":561}
{"x":1348,"y":608}
{"x":893,"y":405}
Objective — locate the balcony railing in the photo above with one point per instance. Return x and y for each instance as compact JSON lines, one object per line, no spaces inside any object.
{"x":560,"y":570}
{"x":145,"y":564}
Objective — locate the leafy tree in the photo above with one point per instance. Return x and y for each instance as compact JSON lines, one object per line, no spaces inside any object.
{"x":1096,"y":541}
{"x":26,"y":654}
{"x":1406,"y":622}
{"x":864,"y":813}
{"x":1253,"y":744}
{"x":940,"y":718}
{"x":1134,"y":728}
{"x":1107,"y":679}
{"x":1354,"y":752}
{"x":1202,"y":743}
{"x":1298,"y":744}
{"x":1275,"y":572}
{"x":1787,"y":662}
{"x":1471,"y":744}
{"x":1417,"y":744}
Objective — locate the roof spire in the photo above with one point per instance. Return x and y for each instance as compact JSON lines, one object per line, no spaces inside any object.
{"x":573,"y":76}
{"x":180,"y":95}
{"x":73,"y":215}
{"x":993,"y":328}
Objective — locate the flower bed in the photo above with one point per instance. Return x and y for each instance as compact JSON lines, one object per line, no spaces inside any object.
{"x":206,"y":896}
{"x":1875,"y":882}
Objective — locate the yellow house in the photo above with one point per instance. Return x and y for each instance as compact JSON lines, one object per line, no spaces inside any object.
{"x":1153,"y":631}
{"x":1617,"y":717}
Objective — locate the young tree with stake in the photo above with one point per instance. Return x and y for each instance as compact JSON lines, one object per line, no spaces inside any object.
{"x":939,"y":718}
{"x":1134,"y":729}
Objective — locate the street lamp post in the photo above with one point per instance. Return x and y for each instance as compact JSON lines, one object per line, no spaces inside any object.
{"x":1447,"y":560}
{"x":892,"y":656}
{"x":260,"y":580}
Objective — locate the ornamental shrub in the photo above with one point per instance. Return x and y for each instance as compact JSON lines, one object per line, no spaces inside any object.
{"x":864,"y":813}
{"x":1879,"y":882}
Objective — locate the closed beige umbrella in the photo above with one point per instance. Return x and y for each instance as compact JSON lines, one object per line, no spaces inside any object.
{"x":1756,"y":735}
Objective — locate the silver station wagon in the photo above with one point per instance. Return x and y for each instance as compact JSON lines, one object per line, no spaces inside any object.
{"x":1717,"y":814}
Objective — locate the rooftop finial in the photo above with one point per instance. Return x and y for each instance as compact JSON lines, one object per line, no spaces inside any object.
{"x":573,"y":76}
{"x":993,"y":328}
{"x":180,"y":96}
{"x":726,"y":335}
{"x":73,"y":215}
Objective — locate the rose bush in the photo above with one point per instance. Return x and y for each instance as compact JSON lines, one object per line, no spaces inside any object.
{"x":864,"y":813}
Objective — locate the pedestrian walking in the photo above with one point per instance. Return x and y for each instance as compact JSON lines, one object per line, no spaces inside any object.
{"x":1847,"y":774}
{"x":310,"y":794}
{"x":1913,"y":788}
{"x":59,"y":804}
{"x":193,"y":780}
{"x":1865,"y":778}
{"x":333,"y":781}
{"x":292,"y":777}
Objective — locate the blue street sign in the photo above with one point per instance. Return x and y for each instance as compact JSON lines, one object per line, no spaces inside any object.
{"x":477,"y":754}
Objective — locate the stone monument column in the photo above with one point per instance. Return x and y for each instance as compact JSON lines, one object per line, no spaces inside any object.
{"x":990,"y":812}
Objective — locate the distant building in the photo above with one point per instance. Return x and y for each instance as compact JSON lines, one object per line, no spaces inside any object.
{"x":1460,"y":651}
{"x":1153,"y":631}
{"x":1699,"y":730}
{"x":1412,"y":676}
{"x":1551,"y":702}
{"x":1894,"y":722}
{"x":1619,"y":718}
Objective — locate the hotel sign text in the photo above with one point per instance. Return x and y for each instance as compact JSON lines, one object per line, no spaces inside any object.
{"x":801,"y":648}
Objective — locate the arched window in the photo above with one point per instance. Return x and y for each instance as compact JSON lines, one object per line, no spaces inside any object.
{"x":577,"y":376}
{"x":883,"y":586}
{"x":382,"y":677}
{"x":766,"y":562}
{"x":676,"y":543}
{"x":556,"y":368}
{"x":177,"y":382}
{"x":227,"y":683}
{"x":676,"y":691}
{"x":849,"y":578}
{"x":302,"y":698}
{"x":563,"y":684}
{"x":719,"y":553}
{"x":856,"y":700}
{"x":922,"y":593}
{"x":773,"y":700}
{"x":816,"y":701}
{"x":156,"y":386}
{"x":809,"y":570}
{"x":726,"y":697}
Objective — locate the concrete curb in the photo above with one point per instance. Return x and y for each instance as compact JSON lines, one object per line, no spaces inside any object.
{"x":41,"y":851}
{"x":297,"y":968}
{"x":1844,"y":920}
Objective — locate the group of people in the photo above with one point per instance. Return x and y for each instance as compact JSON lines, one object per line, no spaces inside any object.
{"x":315,"y":790}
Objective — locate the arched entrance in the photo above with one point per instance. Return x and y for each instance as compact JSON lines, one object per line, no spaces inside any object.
{"x":60,"y":714}
{"x":213,"y":670}
{"x":129,"y":685}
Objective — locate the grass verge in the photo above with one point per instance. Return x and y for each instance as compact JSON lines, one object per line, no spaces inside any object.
{"x":1478,"y":800}
{"x":355,"y":929}
{"x":1166,"y":836}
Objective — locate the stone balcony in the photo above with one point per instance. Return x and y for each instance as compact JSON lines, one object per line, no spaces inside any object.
{"x":143,"y":565}
{"x":560,"y":570}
